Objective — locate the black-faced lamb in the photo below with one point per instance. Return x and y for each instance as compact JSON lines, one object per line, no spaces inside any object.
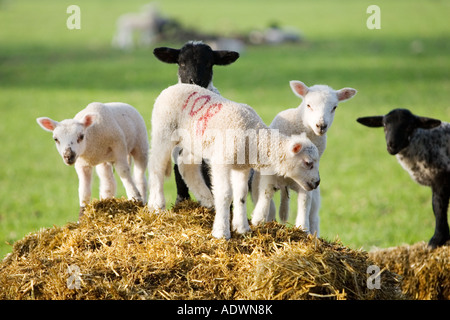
{"x":103,"y":135}
{"x":233,"y":139}
{"x":195,"y":62}
{"x":422,"y":147}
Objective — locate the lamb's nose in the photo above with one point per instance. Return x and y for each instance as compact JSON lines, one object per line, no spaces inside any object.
{"x":322,"y":127}
{"x":314,"y":185}
{"x":317,"y":183}
{"x":69,"y":156}
{"x":391,"y":147}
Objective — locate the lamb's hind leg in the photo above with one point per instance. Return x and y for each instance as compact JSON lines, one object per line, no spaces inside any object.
{"x":222,"y":200}
{"x":140,"y":166}
{"x":159,"y":165}
{"x":239,"y":180}
{"x":107,"y":181}
{"x":441,"y":195}
{"x":124,"y":171}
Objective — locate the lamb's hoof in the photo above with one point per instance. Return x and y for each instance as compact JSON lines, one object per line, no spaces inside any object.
{"x":437,"y":241}
{"x":181,"y":199}
{"x":257,"y":221}
{"x":155,"y":208}
{"x":81,"y":212}
{"x":241,"y":229}
{"x":137,"y":199}
{"x":207,"y":203}
{"x":219,"y":234}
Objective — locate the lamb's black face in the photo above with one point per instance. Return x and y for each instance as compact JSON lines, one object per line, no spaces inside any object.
{"x":195,"y":64}
{"x":399,"y":126}
{"x":195,"y":61}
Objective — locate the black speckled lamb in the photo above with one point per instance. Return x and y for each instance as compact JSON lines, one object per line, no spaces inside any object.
{"x":422,"y":147}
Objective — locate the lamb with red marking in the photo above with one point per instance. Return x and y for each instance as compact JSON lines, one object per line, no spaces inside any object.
{"x":232,"y":138}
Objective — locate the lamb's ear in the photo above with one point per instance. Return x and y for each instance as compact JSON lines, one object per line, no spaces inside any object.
{"x":346,"y":93}
{"x":299,"y":88}
{"x":373,"y":122}
{"x":47,"y":124}
{"x":167,"y":55}
{"x":224,"y":57}
{"x":88,"y":119}
{"x":428,"y":123}
{"x":295,"y":148}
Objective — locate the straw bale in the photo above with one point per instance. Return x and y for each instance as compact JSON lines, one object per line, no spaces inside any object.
{"x":425,"y":272}
{"x":120,"y":250}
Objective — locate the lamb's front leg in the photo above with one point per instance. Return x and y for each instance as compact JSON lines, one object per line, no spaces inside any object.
{"x":314,"y":219}
{"x":284,"y":203}
{"x":265,"y":194}
{"x":441,"y":196}
{"x":222,"y":192}
{"x":84,"y":173}
{"x":303,"y":209}
{"x":239,"y":180}
{"x":124,"y":171}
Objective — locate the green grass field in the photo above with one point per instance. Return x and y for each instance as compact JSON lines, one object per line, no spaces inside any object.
{"x":367,"y":198}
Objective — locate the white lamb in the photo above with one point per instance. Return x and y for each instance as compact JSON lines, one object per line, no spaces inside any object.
{"x":102,"y":135}
{"x":145,"y":23}
{"x":233,"y":139}
{"x":314,"y":116}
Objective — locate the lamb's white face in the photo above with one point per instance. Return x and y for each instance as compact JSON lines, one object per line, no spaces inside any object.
{"x":303,"y":165}
{"x":69,"y":137}
{"x":319,"y":103}
{"x":320,"y":107}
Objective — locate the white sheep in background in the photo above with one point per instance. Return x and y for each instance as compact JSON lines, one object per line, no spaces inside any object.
{"x":145,"y":23}
{"x":422,"y":147}
{"x":102,"y":135}
{"x":233,"y":139}
{"x":314,"y":116}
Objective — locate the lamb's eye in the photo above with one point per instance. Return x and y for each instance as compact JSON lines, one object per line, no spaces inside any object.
{"x":334,"y":109}
{"x":56,"y":140}
{"x":309,"y":164}
{"x":80,"y":138}
{"x":309,"y":106}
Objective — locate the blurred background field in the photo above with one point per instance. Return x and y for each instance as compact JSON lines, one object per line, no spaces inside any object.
{"x":367,"y":198}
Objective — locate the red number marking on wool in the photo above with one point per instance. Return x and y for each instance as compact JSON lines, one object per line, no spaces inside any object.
{"x":194,"y":112}
{"x":187,"y":100}
{"x":211,"y":110}
{"x":203,"y":120}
